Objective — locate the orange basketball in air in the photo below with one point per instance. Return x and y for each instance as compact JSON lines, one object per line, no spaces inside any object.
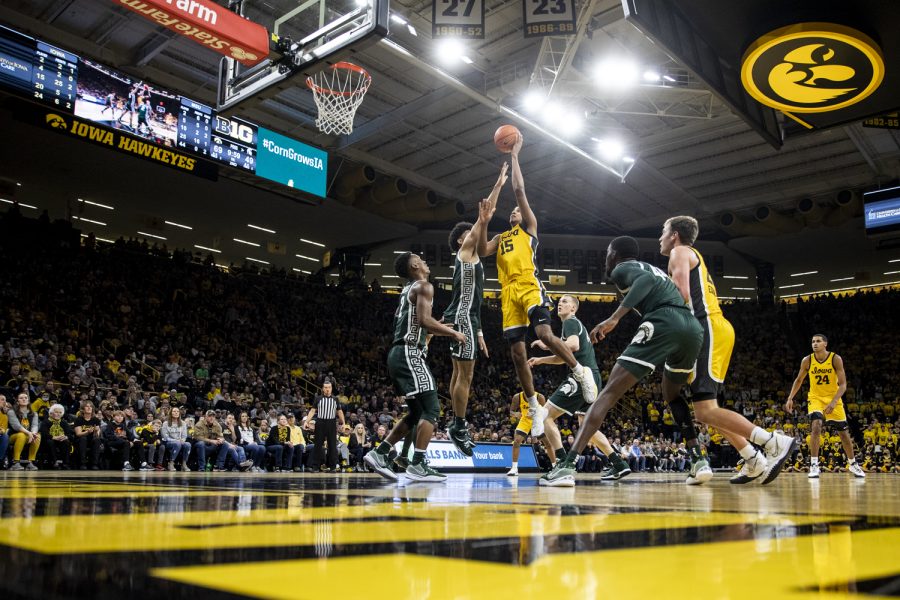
{"x":505,"y":138}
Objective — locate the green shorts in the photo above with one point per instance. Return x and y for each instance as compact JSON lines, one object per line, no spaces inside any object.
{"x":407,"y":368}
{"x":569,"y":398}
{"x":667,"y":336}
{"x":469,"y":326}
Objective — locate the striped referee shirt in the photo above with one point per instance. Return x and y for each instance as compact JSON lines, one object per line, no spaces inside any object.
{"x":327,"y":407}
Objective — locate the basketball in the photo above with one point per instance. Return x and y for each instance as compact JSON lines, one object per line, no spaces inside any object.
{"x":505,"y":138}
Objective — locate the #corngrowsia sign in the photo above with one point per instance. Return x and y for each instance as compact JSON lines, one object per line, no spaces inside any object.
{"x":209,"y":24}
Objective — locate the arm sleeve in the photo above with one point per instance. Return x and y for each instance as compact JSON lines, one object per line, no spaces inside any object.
{"x":641,"y":285}
{"x":14,"y":424}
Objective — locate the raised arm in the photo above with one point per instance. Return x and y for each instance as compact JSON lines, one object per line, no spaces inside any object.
{"x":477,"y":239}
{"x":485,"y":247}
{"x":529,"y":221}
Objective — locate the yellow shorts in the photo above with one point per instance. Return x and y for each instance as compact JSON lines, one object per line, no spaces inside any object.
{"x":817,"y":405}
{"x":524,"y":425}
{"x":517,"y":299}
{"x":714,"y":357}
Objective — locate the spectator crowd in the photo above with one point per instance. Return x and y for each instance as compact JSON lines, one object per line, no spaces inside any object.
{"x":127,"y":356}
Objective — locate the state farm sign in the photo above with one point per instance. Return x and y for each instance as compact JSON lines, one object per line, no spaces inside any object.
{"x":209,"y":24}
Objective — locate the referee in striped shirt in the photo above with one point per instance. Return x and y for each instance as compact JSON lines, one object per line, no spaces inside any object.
{"x":326,"y":412}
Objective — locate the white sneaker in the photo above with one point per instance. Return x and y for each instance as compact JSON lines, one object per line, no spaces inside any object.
{"x":537,"y":421}
{"x":856,"y":470}
{"x":588,"y":385}
{"x":778,"y":449}
{"x":813,"y":472}
{"x":514,"y":472}
{"x":127,"y":467}
{"x":751,"y":470}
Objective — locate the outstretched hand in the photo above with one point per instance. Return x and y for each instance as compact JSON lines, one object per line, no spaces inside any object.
{"x":501,"y":180}
{"x":518,"y":145}
{"x":602,"y":330}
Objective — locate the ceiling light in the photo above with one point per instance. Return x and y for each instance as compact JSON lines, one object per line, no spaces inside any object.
{"x":372,"y":264}
{"x":651,"y":76}
{"x":334,"y":274}
{"x":449,"y":50}
{"x":207,"y":249}
{"x":87,"y":220}
{"x":466,"y":59}
{"x":793,"y":285}
{"x":362,"y":3}
{"x":398,"y":19}
{"x":307,"y":257}
{"x":444,"y":278}
{"x":391,"y":276}
{"x":590,"y":283}
{"x":842,"y":279}
{"x":313,"y":243}
{"x":152,"y":235}
{"x":302,"y":271}
{"x":400,"y":251}
{"x":570,"y":125}
{"x":174,"y":224}
{"x":744,"y":289}
{"x":20,"y":204}
{"x":412,"y":30}
{"x":18,"y":184}
{"x":616,"y":73}
{"x":558,"y":270}
{"x":804,"y":273}
{"x":106,"y":206}
{"x":240,"y":241}
{"x":489,"y":279}
{"x":260,"y":228}
{"x":99,"y":239}
{"x":891,"y":272}
{"x":256,"y":260}
{"x":894,"y":260}
{"x":735,"y":277}
{"x":628,"y":159}
{"x":533,"y":101}
{"x":669,"y":78}
{"x":610,"y":149}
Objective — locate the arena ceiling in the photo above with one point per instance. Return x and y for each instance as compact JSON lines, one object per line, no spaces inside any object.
{"x":692,"y":154}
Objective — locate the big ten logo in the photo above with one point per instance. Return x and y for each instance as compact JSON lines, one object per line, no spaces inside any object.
{"x":234,"y":129}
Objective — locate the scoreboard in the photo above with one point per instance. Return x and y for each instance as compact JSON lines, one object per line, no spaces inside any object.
{"x":33,"y":68}
{"x":87,"y":90}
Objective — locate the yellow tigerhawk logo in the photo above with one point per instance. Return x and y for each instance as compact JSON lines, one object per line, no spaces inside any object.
{"x":241,"y":54}
{"x":57,"y":122}
{"x":812,"y":67}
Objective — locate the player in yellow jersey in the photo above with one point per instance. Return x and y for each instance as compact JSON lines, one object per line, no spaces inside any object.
{"x":519,"y":407}
{"x":688,"y":271}
{"x":827,"y":384}
{"x":522,"y":296}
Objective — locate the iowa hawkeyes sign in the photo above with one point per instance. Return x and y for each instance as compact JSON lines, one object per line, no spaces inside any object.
{"x":812,"y":68}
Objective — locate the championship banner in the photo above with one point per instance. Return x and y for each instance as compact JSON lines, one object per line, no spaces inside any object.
{"x":209,"y":24}
{"x":457,"y":18}
{"x":114,"y":140}
{"x":443,"y":455}
{"x":549,"y":17}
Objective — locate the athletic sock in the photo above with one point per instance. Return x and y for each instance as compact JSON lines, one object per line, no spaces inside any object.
{"x":851,"y":461}
{"x":384,"y":448}
{"x":418,"y":457}
{"x":572,"y":456}
{"x":459,"y":423}
{"x":515,"y":464}
{"x":813,"y":460}
{"x":559,"y":452}
{"x":578,"y":369}
{"x":761,"y":437}
{"x":747,"y":452}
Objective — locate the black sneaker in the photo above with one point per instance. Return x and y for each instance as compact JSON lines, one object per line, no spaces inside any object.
{"x":615,"y":471}
{"x":461,"y":439}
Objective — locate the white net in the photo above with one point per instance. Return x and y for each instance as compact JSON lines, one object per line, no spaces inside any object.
{"x":338,"y":91}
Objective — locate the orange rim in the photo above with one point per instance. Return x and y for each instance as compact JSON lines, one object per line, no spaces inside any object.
{"x":347,"y":67}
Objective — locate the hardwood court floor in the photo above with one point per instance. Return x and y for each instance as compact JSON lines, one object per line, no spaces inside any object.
{"x":196,"y":535}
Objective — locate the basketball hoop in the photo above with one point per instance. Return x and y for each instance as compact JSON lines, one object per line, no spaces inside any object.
{"x":338,"y":91}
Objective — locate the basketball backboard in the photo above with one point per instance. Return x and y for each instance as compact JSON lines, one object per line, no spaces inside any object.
{"x":303,"y":34}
